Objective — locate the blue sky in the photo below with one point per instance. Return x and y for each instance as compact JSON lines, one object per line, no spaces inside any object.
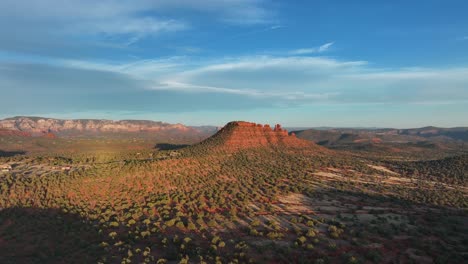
{"x":299,"y":63}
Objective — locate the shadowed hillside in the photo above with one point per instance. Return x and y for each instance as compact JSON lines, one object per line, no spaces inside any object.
{"x":34,"y":235}
{"x":452,"y":170}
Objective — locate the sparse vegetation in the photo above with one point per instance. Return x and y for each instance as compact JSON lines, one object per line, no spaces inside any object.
{"x":212,"y":205}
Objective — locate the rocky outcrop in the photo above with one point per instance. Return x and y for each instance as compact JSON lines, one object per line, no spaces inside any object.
{"x":240,"y":135}
{"x":41,"y":126}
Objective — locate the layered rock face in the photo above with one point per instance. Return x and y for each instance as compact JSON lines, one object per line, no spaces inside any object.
{"x":38,"y":125}
{"x":241,"y":135}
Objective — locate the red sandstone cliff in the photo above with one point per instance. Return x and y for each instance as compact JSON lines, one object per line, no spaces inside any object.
{"x":37,"y":125}
{"x":241,"y":135}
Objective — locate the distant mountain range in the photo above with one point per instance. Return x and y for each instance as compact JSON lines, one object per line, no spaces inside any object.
{"x":336,"y":136}
{"x":39,"y":126}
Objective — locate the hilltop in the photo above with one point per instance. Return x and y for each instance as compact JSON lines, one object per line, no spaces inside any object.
{"x":238,"y":135}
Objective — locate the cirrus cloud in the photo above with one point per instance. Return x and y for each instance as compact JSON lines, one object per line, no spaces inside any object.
{"x":322,"y":48}
{"x":295,"y":79}
{"x":181,"y":84}
{"x":68,"y":26}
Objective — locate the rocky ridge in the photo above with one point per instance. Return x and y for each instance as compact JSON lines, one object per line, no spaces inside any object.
{"x":39,"y":125}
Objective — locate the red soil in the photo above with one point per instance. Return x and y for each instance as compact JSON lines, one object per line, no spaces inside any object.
{"x":7,"y":132}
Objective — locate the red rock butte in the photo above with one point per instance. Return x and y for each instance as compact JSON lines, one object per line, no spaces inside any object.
{"x":241,"y":135}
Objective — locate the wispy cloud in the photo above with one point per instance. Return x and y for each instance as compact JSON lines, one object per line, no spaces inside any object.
{"x":259,"y":63}
{"x":49,"y":23}
{"x":276,"y":27}
{"x":140,"y":69}
{"x":294,"y":78}
{"x":323,"y":48}
{"x":304,"y":51}
{"x":257,"y":31}
{"x":250,"y":81}
{"x":249,"y":10}
{"x":110,"y":17}
{"x":191,"y":88}
{"x":140,"y":26}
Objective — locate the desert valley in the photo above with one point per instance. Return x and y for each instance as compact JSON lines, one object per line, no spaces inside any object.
{"x":87,"y":191}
